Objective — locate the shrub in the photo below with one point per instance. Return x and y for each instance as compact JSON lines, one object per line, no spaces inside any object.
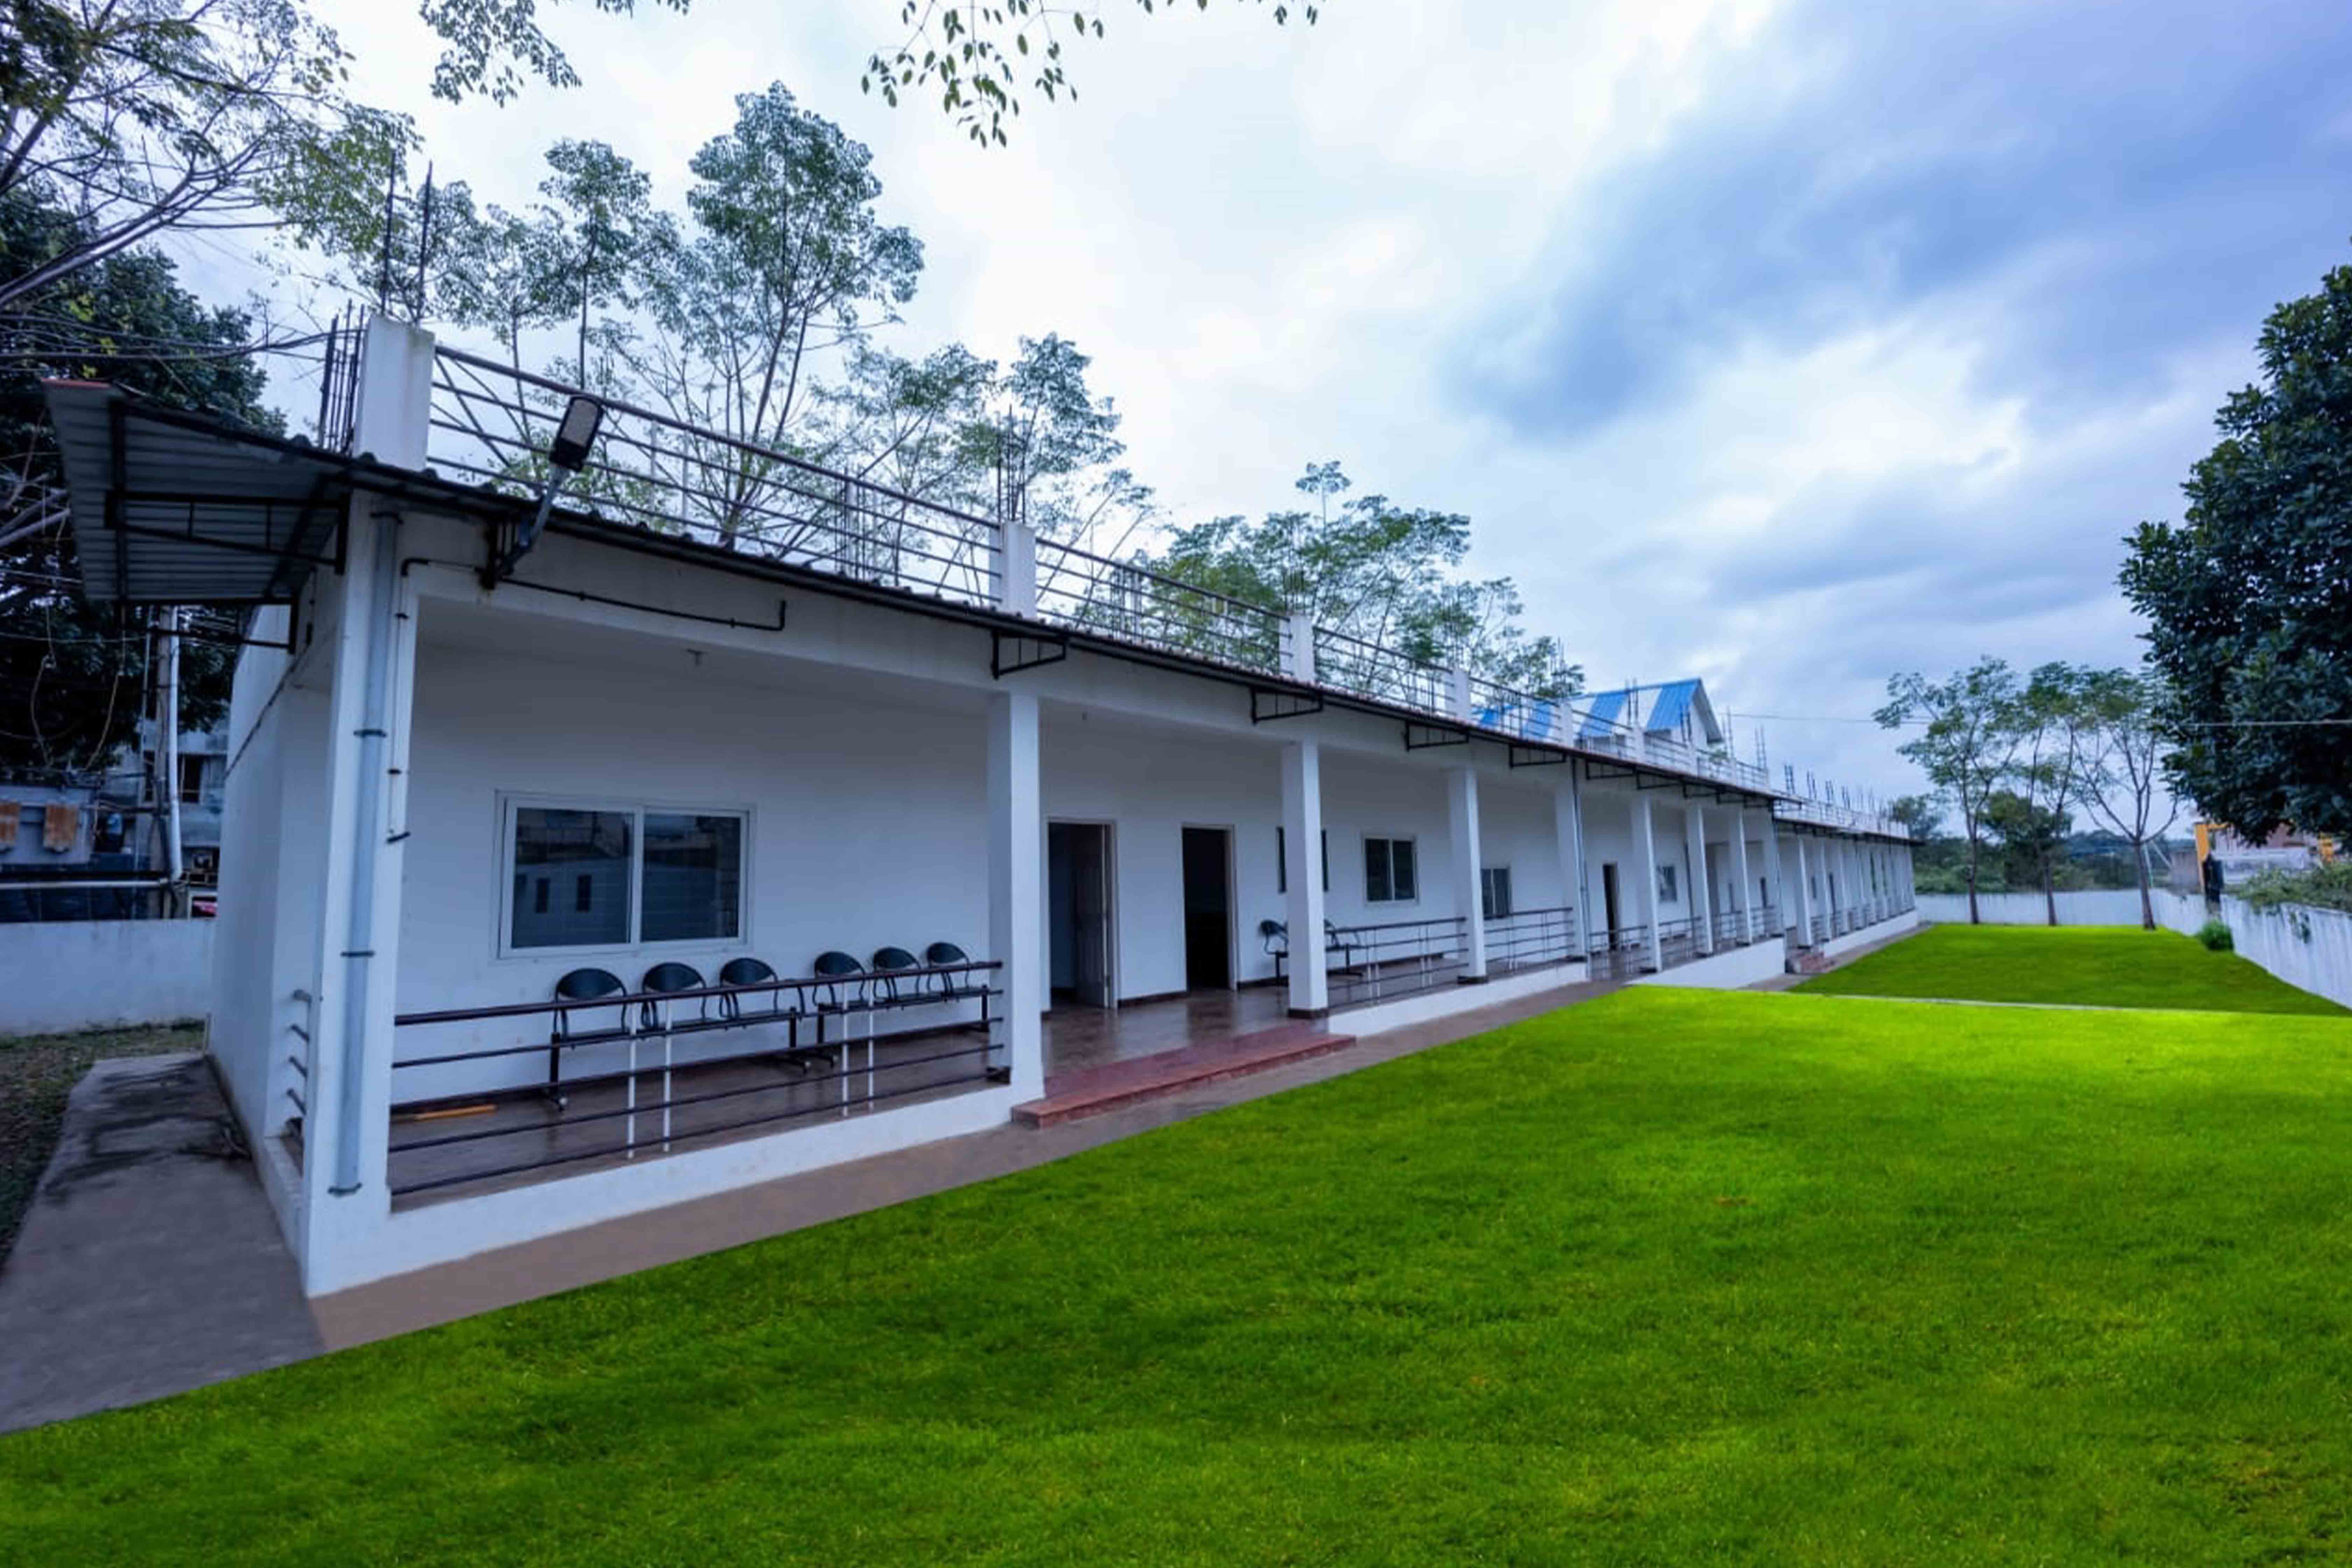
{"x":2215,"y":934}
{"x":2322,"y":887}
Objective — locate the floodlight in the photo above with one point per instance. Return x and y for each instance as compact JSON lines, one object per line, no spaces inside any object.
{"x":577,"y":432}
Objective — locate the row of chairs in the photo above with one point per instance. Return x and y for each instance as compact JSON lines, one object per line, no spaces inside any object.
{"x":837,"y":985}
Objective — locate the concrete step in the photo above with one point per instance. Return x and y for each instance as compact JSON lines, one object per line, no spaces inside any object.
{"x":1090,"y":1091}
{"x":1810,"y":961}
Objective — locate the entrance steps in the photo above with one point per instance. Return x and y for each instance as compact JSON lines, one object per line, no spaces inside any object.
{"x":1810,"y":961}
{"x":1090,"y":1091}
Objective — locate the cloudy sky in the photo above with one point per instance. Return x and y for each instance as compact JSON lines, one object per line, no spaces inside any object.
{"x":1787,"y":344}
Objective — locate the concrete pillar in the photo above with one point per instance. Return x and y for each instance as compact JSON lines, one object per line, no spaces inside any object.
{"x":1461,"y":816}
{"x":1697,"y":898}
{"x":1302,"y":854}
{"x":1804,"y":893}
{"x":1298,"y":649}
{"x":1779,"y":921}
{"x":366,"y":622}
{"x":1568,"y":834}
{"x":1016,"y":886}
{"x":1746,"y":900}
{"x":1016,"y":569}
{"x":1646,"y":875}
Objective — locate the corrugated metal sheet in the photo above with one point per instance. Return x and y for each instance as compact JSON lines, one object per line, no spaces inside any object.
{"x":1602,"y":715}
{"x":166,"y":511}
{"x":1671,"y":701}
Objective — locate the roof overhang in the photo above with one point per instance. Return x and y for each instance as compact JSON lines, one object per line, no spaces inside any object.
{"x":173,"y":509}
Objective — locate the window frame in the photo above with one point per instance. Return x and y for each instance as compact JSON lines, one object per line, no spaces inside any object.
{"x":1390,"y":841}
{"x":1487,"y":883}
{"x":638,"y":808}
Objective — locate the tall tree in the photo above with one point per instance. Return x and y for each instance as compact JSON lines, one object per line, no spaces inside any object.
{"x":1968,"y":737}
{"x":125,"y":118}
{"x":786,"y":260}
{"x":2048,"y":769}
{"x":1921,"y":814}
{"x":2124,"y":788}
{"x":2249,"y":599}
{"x":70,"y":676}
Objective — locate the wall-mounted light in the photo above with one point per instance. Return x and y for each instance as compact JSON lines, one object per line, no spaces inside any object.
{"x":576,"y":433}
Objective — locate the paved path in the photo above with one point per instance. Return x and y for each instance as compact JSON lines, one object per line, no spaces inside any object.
{"x":149,"y":1261}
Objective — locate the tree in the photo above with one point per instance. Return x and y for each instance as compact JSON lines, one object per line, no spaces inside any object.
{"x":786,"y":260}
{"x":122,"y":119}
{"x":2047,"y":769}
{"x":979,"y":51}
{"x":2030,"y":834}
{"x":2124,"y":786}
{"x":1969,"y":737}
{"x":1921,"y":814}
{"x":2249,"y":598}
{"x":1376,"y":573}
{"x":71,"y":676}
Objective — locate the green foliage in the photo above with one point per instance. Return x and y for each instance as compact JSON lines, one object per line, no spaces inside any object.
{"x":494,"y":44}
{"x":980,"y":52}
{"x":71,"y":678}
{"x":2321,"y":886}
{"x":139,"y":116}
{"x":2247,"y":599}
{"x":2217,"y":936}
{"x":1674,"y":1277}
{"x":1968,"y":736}
{"x":1374,"y":569}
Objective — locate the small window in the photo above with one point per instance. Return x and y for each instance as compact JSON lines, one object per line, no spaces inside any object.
{"x":1668,"y":891}
{"x":632,"y":876}
{"x":1495,"y":891}
{"x":1389,"y":876}
{"x":192,"y":780}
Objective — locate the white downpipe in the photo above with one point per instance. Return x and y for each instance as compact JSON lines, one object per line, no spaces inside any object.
{"x":366,"y":835}
{"x":168,"y":720}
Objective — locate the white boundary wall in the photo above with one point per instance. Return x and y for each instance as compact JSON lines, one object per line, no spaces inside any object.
{"x":98,"y":974}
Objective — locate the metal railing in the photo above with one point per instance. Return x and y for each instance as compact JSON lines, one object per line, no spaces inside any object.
{"x":492,"y":425}
{"x":1396,"y":958}
{"x":1677,"y":942}
{"x":1830,"y":814}
{"x":1619,"y":955}
{"x":1729,"y":928}
{"x":1135,"y":604}
{"x":476,"y":1123}
{"x":1382,"y":674}
{"x":1530,"y":939}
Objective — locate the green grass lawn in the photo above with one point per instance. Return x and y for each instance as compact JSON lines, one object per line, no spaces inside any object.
{"x":1671,"y":1277}
{"x":2098,"y":966}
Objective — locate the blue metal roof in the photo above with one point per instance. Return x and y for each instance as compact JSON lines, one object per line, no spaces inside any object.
{"x":1666,"y":709}
{"x":1603,"y":716}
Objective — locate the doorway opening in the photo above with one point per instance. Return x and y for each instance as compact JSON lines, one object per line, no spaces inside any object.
{"x":1208,"y":909}
{"x":1609,"y":899}
{"x":1078,"y":912}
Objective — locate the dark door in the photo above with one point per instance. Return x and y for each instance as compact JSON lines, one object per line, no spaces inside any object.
{"x":1609,"y":899}
{"x":1077,"y":896}
{"x":1208,"y":910}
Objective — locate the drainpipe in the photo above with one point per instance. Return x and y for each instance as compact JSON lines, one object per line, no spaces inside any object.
{"x":168,"y":721}
{"x":366,"y":836}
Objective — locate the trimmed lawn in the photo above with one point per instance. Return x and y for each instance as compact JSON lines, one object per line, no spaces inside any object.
{"x":36,"y":1073}
{"x":2096,"y":966}
{"x":1671,"y":1276}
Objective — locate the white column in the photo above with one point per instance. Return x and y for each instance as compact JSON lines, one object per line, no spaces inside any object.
{"x":1646,"y":875}
{"x":1696,"y":897}
{"x":1804,"y":890}
{"x":1568,"y":833}
{"x":1298,"y":637}
{"x":1772,"y":871}
{"x":1744,"y":904}
{"x":1016,"y":892}
{"x":1461,"y":813}
{"x":1016,"y":569}
{"x":1302,"y":856}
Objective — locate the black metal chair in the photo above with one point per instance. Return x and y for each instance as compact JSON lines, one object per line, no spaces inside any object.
{"x":579,"y":986}
{"x":1274,"y":937}
{"x":890,"y":964}
{"x":842,"y":989}
{"x":751,"y":971}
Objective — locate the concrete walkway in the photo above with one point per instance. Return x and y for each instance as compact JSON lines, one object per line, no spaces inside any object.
{"x":149,"y":1261}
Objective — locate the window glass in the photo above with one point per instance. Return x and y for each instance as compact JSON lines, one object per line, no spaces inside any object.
{"x":1668,"y":893}
{"x":588,"y":849}
{"x":1376,"y":871}
{"x":693,"y":876}
{"x":1400,"y":873}
{"x":1495,"y":891}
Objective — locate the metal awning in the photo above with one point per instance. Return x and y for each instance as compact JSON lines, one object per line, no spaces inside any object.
{"x":173,"y":508}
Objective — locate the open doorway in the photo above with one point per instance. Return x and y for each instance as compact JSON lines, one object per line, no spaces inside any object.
{"x":1609,"y":899}
{"x":1208,"y":909}
{"x":1078,"y":912}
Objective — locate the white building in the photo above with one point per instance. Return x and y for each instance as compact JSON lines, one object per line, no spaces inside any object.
{"x":732,"y":709}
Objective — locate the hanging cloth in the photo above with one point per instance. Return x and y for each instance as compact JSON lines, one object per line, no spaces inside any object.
{"x":60,"y":828}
